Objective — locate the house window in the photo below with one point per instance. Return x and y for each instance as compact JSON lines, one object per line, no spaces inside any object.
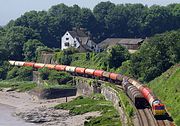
{"x":75,"y":44}
{"x":67,"y":38}
{"x":66,"y":44}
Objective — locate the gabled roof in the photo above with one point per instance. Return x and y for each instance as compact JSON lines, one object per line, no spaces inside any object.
{"x":113,"y":41}
{"x":77,"y":33}
{"x":83,"y":40}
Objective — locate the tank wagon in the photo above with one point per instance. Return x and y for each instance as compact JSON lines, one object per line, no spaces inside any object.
{"x":131,"y":88}
{"x":135,"y":95}
{"x":157,"y":106}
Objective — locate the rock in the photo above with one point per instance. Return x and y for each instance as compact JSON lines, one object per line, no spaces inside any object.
{"x":8,"y":89}
{"x":42,"y":115}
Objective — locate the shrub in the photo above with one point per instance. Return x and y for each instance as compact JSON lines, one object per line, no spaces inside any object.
{"x":44,"y":73}
{"x":59,"y":77}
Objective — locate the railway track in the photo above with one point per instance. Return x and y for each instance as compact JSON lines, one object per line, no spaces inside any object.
{"x":145,"y":117}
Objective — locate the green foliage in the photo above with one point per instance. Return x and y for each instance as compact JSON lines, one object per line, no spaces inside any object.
{"x":15,"y":38}
{"x":125,"y":68}
{"x":96,"y":61}
{"x":66,"y":60}
{"x":116,"y":55}
{"x":87,"y":56}
{"x":70,"y":51}
{"x":53,"y":76}
{"x":17,"y":85}
{"x":167,"y":88}
{"x":64,"y":57}
{"x":4,"y":67}
{"x":82,"y":105}
{"x":156,"y":55}
{"x":29,"y":49}
{"x":22,"y":73}
{"x":59,"y":77}
{"x":44,"y":73}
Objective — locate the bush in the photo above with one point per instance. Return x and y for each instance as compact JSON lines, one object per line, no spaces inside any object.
{"x":22,"y":73}
{"x":25,"y":73}
{"x":59,"y":77}
{"x":12,"y":73}
{"x":44,"y":73}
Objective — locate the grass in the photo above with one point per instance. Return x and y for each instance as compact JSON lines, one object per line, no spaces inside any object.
{"x":20,"y":86}
{"x":48,"y":85}
{"x":95,"y":62}
{"x":167,"y":88}
{"x":80,"y":105}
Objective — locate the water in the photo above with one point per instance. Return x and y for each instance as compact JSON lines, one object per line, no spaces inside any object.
{"x":7,"y":119}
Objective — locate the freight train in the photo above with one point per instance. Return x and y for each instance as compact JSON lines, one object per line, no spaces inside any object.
{"x":135,"y":90}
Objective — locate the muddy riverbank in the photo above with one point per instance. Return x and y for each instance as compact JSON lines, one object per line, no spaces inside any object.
{"x":23,"y":109}
{"x":7,"y":118}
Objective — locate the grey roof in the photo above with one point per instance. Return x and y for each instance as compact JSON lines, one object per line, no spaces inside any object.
{"x":78,"y":33}
{"x":113,"y":41}
{"x":83,"y":40}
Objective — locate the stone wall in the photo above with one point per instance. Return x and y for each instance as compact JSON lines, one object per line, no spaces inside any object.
{"x":112,"y":95}
{"x":47,"y":57}
{"x":86,"y":87}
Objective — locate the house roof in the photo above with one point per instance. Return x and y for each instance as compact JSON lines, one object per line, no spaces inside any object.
{"x":83,"y":40}
{"x":113,"y":41}
{"x":77,"y":33}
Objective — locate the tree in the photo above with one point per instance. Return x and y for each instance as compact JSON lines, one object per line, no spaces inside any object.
{"x":14,"y":40}
{"x":156,"y":55}
{"x":29,"y":49}
{"x":116,"y":55}
{"x":101,"y":11}
{"x":157,"y":20}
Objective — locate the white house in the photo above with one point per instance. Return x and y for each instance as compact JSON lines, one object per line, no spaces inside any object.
{"x":78,"y":38}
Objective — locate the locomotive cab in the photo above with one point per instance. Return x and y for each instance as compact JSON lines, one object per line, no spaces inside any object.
{"x":158,"y":108}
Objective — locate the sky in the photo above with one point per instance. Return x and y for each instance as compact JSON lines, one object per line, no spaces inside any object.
{"x":12,"y":9}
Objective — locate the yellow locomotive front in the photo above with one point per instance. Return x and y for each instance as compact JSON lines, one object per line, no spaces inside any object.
{"x":158,"y":109}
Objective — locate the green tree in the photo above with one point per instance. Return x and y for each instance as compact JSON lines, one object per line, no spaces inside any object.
{"x":156,"y":55}
{"x":116,"y":55}
{"x":14,"y":40}
{"x":29,"y":49}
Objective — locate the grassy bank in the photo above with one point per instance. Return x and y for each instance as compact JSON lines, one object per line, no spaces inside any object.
{"x":83,"y":105}
{"x":167,"y":88}
{"x":17,"y":85}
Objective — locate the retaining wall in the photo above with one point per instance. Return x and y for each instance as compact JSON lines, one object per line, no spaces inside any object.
{"x":86,"y":87}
